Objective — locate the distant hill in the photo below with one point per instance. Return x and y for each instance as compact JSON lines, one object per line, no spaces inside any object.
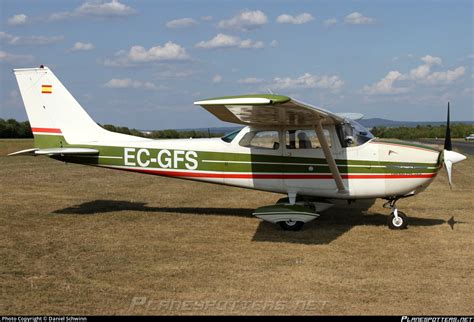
{"x":213,"y":130}
{"x":369,"y":123}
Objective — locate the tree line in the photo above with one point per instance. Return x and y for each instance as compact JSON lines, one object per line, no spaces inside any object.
{"x":13,"y":129}
{"x":162,"y":134}
{"x":458,"y":130}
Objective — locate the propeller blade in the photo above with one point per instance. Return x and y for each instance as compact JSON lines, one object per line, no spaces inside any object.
{"x":447,"y":138}
{"x":449,"y":168}
{"x":450,"y":158}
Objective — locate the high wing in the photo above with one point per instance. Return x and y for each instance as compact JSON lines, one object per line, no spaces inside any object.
{"x":351,"y":116}
{"x":277,"y":110}
{"x":56,"y":151}
{"x":268,"y":109}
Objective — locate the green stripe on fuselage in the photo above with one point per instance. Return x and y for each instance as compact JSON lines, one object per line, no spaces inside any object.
{"x":49,"y":141}
{"x":231,"y":162}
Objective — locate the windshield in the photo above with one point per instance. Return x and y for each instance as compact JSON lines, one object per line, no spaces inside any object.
{"x":352,"y":133}
{"x":230,"y":136}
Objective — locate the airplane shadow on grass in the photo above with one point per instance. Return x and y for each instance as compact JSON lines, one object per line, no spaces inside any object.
{"x":332,"y":223}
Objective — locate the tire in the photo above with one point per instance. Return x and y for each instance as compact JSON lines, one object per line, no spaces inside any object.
{"x":291,"y":225}
{"x":401,"y":224}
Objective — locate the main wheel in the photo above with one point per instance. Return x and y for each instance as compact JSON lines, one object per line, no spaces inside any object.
{"x":400,"y":223}
{"x":291,"y":225}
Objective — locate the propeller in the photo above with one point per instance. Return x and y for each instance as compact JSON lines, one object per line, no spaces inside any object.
{"x":450,"y":157}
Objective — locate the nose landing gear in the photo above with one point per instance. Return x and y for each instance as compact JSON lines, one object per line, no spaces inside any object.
{"x":397,"y":219}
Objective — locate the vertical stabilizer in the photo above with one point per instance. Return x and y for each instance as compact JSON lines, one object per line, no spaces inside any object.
{"x":54,"y":114}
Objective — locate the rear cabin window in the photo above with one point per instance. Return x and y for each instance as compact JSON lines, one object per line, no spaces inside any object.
{"x":261,"y":140}
{"x":305,"y":139}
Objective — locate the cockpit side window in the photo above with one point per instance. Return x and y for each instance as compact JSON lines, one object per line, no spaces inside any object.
{"x":230,"y":136}
{"x":352,"y":134}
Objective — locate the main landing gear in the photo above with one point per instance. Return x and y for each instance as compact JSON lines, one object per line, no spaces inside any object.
{"x":397,"y":219}
{"x":293,"y":212}
{"x":291,"y":225}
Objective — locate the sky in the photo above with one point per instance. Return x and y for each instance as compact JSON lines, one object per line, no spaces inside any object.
{"x":142,"y":64}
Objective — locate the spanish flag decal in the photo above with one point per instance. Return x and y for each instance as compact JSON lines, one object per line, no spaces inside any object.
{"x":46,"y":89}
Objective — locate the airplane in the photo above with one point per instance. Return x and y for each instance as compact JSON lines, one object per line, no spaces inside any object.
{"x":307,"y":153}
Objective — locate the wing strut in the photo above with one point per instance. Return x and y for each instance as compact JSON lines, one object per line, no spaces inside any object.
{"x":329,"y":158}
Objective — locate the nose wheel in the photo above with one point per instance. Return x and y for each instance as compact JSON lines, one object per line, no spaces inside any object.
{"x":397,"y":219}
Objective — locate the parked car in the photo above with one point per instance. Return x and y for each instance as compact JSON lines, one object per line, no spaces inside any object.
{"x":469,"y":138}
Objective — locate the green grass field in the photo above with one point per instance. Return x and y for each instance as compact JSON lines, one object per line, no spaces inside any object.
{"x":84,"y":240}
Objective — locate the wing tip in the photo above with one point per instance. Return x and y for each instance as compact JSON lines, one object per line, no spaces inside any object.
{"x":27,"y":152}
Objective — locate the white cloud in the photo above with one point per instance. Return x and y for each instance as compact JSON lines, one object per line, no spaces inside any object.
{"x":422,"y":71}
{"x":81,"y":46}
{"x":296,"y":20}
{"x":138,"y":54}
{"x":56,"y":16}
{"x":330,"y":22}
{"x":430,"y":60}
{"x":446,"y":77}
{"x":96,"y":8}
{"x":421,"y":74}
{"x":13,"y":58}
{"x":250,"y":80}
{"x":17,"y":20}
{"x":217,"y":78}
{"x":386,"y":85}
{"x":181,"y":23}
{"x":130,"y":83}
{"x":28,"y":40}
{"x":227,"y":41}
{"x":357,"y":18}
{"x":309,"y":81}
{"x":170,"y":71}
{"x":244,"y":21}
{"x":206,"y":18}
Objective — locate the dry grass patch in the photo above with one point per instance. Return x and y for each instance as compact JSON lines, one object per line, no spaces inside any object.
{"x":84,"y":240}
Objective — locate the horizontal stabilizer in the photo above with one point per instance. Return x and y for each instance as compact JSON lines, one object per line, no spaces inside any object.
{"x":56,"y":151}
{"x":27,"y":152}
